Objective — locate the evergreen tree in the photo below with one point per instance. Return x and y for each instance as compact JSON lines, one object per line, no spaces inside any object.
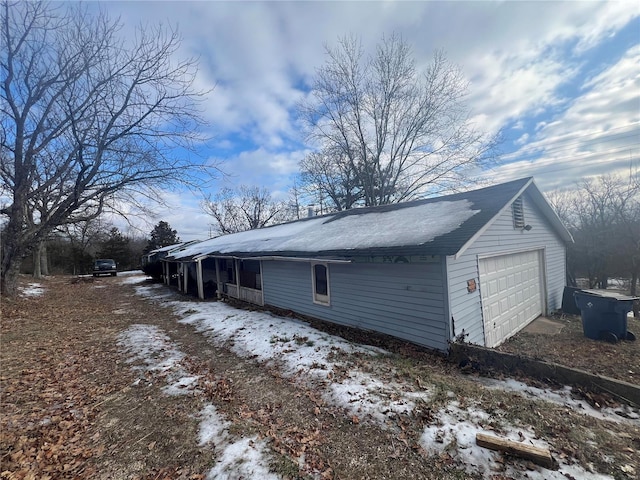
{"x":162,"y":235}
{"x":116,"y":246}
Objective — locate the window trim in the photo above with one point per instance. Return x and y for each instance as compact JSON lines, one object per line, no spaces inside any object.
{"x":319,"y":298}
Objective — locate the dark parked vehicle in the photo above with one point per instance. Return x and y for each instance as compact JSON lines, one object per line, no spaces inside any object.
{"x":104,"y":266}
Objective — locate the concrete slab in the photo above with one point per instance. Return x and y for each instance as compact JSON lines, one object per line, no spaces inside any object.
{"x":544,"y":326}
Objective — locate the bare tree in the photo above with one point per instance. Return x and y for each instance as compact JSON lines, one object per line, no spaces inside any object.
{"x":87,"y":120}
{"x":328,"y":174}
{"x":401,"y":132}
{"x":84,"y":239}
{"x":243,"y":209}
{"x":627,"y":234}
{"x":294,"y":202}
{"x":603,"y":216}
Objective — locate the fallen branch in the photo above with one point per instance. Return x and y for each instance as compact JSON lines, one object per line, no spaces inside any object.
{"x":538,"y":455}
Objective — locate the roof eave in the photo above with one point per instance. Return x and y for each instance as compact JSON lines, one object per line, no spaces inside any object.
{"x":335,"y":254}
{"x":540,"y":201}
{"x":484,"y":228}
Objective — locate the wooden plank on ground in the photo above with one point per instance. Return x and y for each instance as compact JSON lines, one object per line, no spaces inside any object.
{"x":538,"y":455}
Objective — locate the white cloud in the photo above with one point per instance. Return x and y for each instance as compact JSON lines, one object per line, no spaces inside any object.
{"x":263,"y":167}
{"x":258,"y":54}
{"x":258,"y":57}
{"x":181,"y":210}
{"x":598,"y":133}
{"x":523,"y":139}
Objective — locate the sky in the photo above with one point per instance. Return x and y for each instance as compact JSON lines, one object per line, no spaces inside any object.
{"x":559,"y":80}
{"x":360,"y":390}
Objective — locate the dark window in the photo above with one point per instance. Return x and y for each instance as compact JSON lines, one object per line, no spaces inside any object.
{"x":250,"y":274}
{"x":320,"y":276}
{"x":231,"y":271}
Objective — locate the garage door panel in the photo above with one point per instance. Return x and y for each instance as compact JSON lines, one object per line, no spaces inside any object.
{"x":510,"y":288}
{"x":493,"y":288}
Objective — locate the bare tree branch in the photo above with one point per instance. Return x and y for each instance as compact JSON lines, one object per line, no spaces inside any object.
{"x":86,"y":116}
{"x":243,"y":209}
{"x":401,"y":133}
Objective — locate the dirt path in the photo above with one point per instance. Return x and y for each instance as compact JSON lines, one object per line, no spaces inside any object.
{"x":75,"y":405}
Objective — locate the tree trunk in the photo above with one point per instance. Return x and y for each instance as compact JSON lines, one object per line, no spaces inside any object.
{"x":9,"y":282}
{"x":13,"y":251}
{"x":40,"y":261}
{"x":37,"y":265}
{"x":44,"y":260}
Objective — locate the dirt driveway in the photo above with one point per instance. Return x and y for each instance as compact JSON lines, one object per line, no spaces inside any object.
{"x":99,"y":381}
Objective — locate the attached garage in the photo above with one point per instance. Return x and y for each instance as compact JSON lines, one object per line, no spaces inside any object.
{"x":475,"y":266}
{"x":511,"y":289}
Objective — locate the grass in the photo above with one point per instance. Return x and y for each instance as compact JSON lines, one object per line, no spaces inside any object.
{"x":276,"y":339}
{"x":137,"y":432}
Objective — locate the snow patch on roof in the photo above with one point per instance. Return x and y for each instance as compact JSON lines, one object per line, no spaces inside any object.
{"x":405,"y":226}
{"x":168,"y":248}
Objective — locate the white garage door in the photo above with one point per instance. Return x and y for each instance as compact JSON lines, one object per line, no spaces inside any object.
{"x":511,"y":291}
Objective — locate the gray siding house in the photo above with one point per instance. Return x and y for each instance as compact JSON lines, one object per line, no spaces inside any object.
{"x":478,"y":265}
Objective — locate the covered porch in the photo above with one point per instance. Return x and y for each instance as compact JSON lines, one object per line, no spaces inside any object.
{"x":238,"y":278}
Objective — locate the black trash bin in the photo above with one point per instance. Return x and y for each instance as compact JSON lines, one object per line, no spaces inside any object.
{"x":604,"y":314}
{"x":569,"y":301}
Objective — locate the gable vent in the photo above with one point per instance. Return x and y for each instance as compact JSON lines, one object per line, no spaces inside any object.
{"x":518,"y":213}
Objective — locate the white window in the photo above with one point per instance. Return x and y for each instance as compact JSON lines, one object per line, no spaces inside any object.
{"x":320,"y":282}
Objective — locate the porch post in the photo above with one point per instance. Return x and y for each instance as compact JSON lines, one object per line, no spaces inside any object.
{"x":218,"y":282}
{"x":165,"y":271}
{"x":236,"y":263}
{"x":185,"y":276}
{"x":261,"y":283}
{"x":199,"y":275}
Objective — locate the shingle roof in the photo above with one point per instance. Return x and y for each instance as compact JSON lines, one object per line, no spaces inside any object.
{"x":433,"y":226}
{"x":170,"y":247}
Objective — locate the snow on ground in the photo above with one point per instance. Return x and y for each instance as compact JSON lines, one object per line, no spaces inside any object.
{"x":242,"y":458}
{"x":303,"y":352}
{"x":621,"y":414}
{"x":32,"y":290}
{"x":132,"y":276}
{"x":299,"y":350}
{"x":456,"y":432}
{"x":148,"y":344}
